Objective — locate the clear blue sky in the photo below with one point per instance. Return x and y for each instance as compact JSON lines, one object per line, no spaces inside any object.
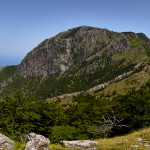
{"x":25,"y":23}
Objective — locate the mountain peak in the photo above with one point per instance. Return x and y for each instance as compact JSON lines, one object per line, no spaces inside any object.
{"x":68,"y":50}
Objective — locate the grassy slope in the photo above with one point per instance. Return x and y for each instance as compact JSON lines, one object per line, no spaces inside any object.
{"x":125,"y":142}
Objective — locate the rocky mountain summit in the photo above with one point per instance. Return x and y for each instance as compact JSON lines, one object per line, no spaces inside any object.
{"x":76,"y":60}
{"x":69,"y":50}
{"x":66,"y":50}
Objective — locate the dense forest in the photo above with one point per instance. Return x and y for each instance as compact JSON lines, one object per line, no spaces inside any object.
{"x":87,"y":118}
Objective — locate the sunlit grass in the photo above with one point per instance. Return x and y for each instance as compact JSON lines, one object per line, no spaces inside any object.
{"x":125,"y":142}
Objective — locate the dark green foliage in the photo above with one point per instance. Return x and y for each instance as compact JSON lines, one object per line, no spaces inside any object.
{"x":134,"y":107}
{"x":87,"y":119}
{"x":21,"y":115}
{"x":62,"y":132}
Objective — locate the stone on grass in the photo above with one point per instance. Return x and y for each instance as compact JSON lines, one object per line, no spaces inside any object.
{"x":37,"y":142}
{"x":134,"y":146}
{"x":84,"y":144}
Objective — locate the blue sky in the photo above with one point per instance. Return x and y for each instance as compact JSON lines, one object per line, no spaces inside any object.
{"x":26,"y":23}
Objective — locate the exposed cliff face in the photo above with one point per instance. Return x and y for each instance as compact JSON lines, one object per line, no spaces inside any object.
{"x":70,"y":49}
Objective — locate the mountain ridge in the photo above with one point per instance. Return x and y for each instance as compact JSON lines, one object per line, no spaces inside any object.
{"x":76,"y":60}
{"x":54,"y":55}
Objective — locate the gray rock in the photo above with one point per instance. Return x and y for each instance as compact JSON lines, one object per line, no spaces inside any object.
{"x":6,"y":143}
{"x":37,"y":142}
{"x":134,"y":146}
{"x":83,"y":144}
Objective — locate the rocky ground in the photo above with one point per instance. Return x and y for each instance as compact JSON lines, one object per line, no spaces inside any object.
{"x":39,"y":142}
{"x":139,"y":140}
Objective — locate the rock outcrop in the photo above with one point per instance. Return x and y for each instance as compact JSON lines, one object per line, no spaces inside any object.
{"x":6,"y":143}
{"x":81,"y":144}
{"x":37,"y":142}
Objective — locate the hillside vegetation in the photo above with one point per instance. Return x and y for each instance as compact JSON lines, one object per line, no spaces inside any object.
{"x":87,"y":118}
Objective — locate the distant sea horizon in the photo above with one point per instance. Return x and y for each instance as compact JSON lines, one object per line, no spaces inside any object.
{"x":10,"y":60}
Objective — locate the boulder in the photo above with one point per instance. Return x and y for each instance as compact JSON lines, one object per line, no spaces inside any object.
{"x":83,"y":144}
{"x":37,"y":142}
{"x":6,"y":143}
